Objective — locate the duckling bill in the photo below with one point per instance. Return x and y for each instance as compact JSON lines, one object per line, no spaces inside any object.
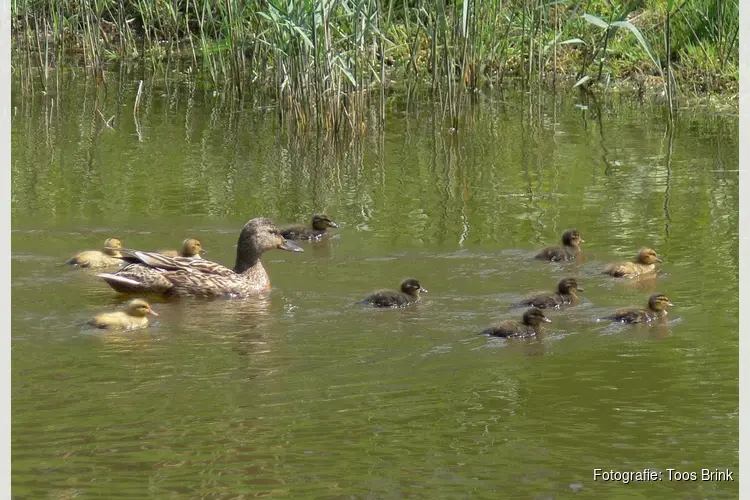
{"x":656,"y":310}
{"x":409,"y":293}
{"x":528,"y":326}
{"x":645,"y":263}
{"x":565,"y":295}
{"x":135,"y":315}
{"x":571,"y":241}
{"x":109,"y":256}
{"x":320,"y":225}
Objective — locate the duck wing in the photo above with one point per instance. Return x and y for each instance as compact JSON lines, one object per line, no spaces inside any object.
{"x":542,"y":301}
{"x":630,"y":315}
{"x":294,"y":232}
{"x":386,"y":298}
{"x":166,"y":263}
{"x":555,"y":254}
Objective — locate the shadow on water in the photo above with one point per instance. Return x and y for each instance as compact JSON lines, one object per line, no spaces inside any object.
{"x":302,"y":392}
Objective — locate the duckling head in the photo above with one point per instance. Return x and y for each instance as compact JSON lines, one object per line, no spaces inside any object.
{"x":112,"y":246}
{"x":659,"y":302}
{"x":322,"y":222}
{"x":647,"y":256}
{"x":140,"y":308}
{"x":192,"y":247}
{"x":568,"y":285}
{"x":535,"y":317}
{"x":412,"y":287}
{"x":572,"y":238}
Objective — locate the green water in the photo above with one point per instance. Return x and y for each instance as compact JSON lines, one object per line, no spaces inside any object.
{"x":305,"y":394}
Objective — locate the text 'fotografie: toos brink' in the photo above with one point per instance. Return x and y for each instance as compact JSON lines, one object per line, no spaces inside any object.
{"x":646,"y":475}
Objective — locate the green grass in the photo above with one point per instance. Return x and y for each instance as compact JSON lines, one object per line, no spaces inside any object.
{"x":326,"y":61}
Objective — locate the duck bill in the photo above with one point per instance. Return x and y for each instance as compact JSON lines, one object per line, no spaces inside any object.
{"x":547,"y":320}
{"x":582,"y":240}
{"x":422,"y":289}
{"x":332,"y":224}
{"x":152,"y":312}
{"x":670,"y":304}
{"x":290,"y":247}
{"x":658,"y":259}
{"x":579,"y":289}
{"x":203,"y":252}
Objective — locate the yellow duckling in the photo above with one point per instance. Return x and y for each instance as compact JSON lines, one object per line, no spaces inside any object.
{"x":109,"y":256}
{"x":191,"y":248}
{"x":134,"y":316}
{"x":645,"y":263}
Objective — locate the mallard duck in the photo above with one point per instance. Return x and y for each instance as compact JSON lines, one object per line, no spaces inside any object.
{"x":155,"y":273}
{"x":409,"y":293}
{"x":135,"y":315}
{"x":190,"y":248}
{"x":528,"y":326}
{"x":645,"y":263}
{"x":320,"y":225}
{"x":657,"y":309}
{"x":565,"y":295}
{"x":109,"y":256}
{"x":571,"y":241}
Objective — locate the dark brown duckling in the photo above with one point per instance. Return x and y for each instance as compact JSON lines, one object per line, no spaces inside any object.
{"x":645,"y":263}
{"x":409,"y":293}
{"x":571,"y":241}
{"x":527,"y":327}
{"x":320,"y":225}
{"x":656,"y":310}
{"x":565,"y":295}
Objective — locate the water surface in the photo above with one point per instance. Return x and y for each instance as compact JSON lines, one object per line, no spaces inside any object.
{"x":303,"y":393}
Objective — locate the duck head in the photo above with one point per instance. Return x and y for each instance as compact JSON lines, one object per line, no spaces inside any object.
{"x":140,"y":308}
{"x":572,"y":238}
{"x":568,"y":286}
{"x":535,"y":317}
{"x":412,"y":287}
{"x":659,"y":302}
{"x":259,"y":235}
{"x":322,"y":222}
{"x":647,"y":256}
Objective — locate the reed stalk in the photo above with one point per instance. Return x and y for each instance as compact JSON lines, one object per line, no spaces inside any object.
{"x":323,"y":62}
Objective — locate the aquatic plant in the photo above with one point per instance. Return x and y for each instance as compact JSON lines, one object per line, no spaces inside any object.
{"x":324,"y":62}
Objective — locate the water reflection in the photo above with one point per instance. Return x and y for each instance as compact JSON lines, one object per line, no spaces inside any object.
{"x":300,"y":391}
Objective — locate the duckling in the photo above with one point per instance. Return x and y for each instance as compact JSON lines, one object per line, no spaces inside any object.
{"x":108,"y":256}
{"x":134,"y":316}
{"x":571,"y":241}
{"x":565,"y":295}
{"x":645,"y":263}
{"x":409,"y":293}
{"x":527,"y":327}
{"x":657,"y":309}
{"x":154,"y":273}
{"x":320,"y":225}
{"x":191,"y":248}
